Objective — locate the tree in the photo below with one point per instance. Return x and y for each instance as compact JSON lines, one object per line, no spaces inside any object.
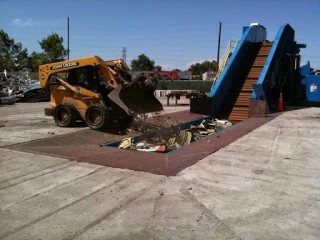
{"x":22,"y":58}
{"x":36,"y":59}
{"x":158,"y":68}
{"x":176,"y":70}
{"x":209,"y":66}
{"x":12,"y":55}
{"x":53,"y":48}
{"x":195,"y":69}
{"x":53,"y":51}
{"x":143,"y":63}
{"x":200,"y":68}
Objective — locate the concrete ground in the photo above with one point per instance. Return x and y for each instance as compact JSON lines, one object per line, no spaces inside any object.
{"x":263,"y":186}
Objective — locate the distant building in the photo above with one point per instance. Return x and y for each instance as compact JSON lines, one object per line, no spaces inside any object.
{"x":209,"y":75}
{"x":184,"y":75}
{"x":195,"y":77}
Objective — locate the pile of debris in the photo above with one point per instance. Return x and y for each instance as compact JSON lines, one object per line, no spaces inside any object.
{"x":5,"y":99}
{"x":168,"y":139}
{"x":18,"y":87}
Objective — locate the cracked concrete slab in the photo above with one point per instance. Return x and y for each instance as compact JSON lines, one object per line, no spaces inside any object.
{"x":265,"y":185}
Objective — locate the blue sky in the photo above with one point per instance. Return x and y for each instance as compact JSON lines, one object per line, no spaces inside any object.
{"x":174,"y":33}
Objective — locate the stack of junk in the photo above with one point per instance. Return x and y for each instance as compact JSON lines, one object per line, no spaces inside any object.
{"x":169,"y":139}
{"x":18,"y":87}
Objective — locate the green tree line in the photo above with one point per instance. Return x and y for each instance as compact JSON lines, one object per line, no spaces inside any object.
{"x":14,"y":57}
{"x":144,"y":63}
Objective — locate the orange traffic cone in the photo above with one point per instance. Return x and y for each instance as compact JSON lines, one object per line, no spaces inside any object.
{"x":280,"y":103}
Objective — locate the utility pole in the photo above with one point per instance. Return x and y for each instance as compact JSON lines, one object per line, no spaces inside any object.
{"x":218,"y":54}
{"x":68,"y":39}
{"x":124,"y":53}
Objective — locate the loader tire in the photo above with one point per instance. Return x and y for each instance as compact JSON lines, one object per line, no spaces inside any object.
{"x":65,"y":114}
{"x":97,"y":116}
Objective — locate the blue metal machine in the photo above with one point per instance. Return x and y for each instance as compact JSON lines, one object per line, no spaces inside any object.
{"x":312,"y":83}
{"x":256,"y":73}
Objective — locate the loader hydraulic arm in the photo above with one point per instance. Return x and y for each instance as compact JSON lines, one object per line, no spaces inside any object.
{"x":78,"y":90}
{"x":116,"y":72}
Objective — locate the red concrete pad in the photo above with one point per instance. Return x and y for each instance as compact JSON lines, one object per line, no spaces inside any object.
{"x":84,"y":146}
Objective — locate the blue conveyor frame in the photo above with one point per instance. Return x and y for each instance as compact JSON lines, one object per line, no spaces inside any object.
{"x":283,"y":44}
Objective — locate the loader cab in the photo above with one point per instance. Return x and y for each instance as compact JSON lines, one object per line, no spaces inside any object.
{"x":86,"y":77}
{"x":89,"y":77}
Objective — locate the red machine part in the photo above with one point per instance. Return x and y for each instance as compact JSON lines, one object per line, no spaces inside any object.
{"x":173,"y":74}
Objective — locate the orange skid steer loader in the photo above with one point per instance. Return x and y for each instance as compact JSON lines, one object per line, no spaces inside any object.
{"x":98,"y":92}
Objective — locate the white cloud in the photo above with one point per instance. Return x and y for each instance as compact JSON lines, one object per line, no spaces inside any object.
{"x":165,"y":66}
{"x":24,"y":23}
{"x":170,"y":66}
{"x":194,"y":62}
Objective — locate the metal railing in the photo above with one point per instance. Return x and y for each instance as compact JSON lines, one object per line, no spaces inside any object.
{"x":229,"y":50}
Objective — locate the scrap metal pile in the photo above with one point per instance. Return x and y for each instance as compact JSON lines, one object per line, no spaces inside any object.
{"x":18,"y":87}
{"x":171,"y":138}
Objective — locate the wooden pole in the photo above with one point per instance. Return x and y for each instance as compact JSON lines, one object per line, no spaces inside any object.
{"x":218,"y":53}
{"x":68,"y":38}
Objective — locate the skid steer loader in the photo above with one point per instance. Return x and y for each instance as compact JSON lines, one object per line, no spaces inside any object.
{"x":98,"y":92}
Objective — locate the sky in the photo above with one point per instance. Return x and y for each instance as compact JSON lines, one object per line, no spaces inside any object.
{"x":173,"y":33}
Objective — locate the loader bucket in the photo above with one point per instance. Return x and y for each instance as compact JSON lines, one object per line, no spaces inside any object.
{"x":137,"y":97}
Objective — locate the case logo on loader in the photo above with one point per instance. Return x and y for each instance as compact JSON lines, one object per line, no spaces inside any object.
{"x":65,"y":65}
